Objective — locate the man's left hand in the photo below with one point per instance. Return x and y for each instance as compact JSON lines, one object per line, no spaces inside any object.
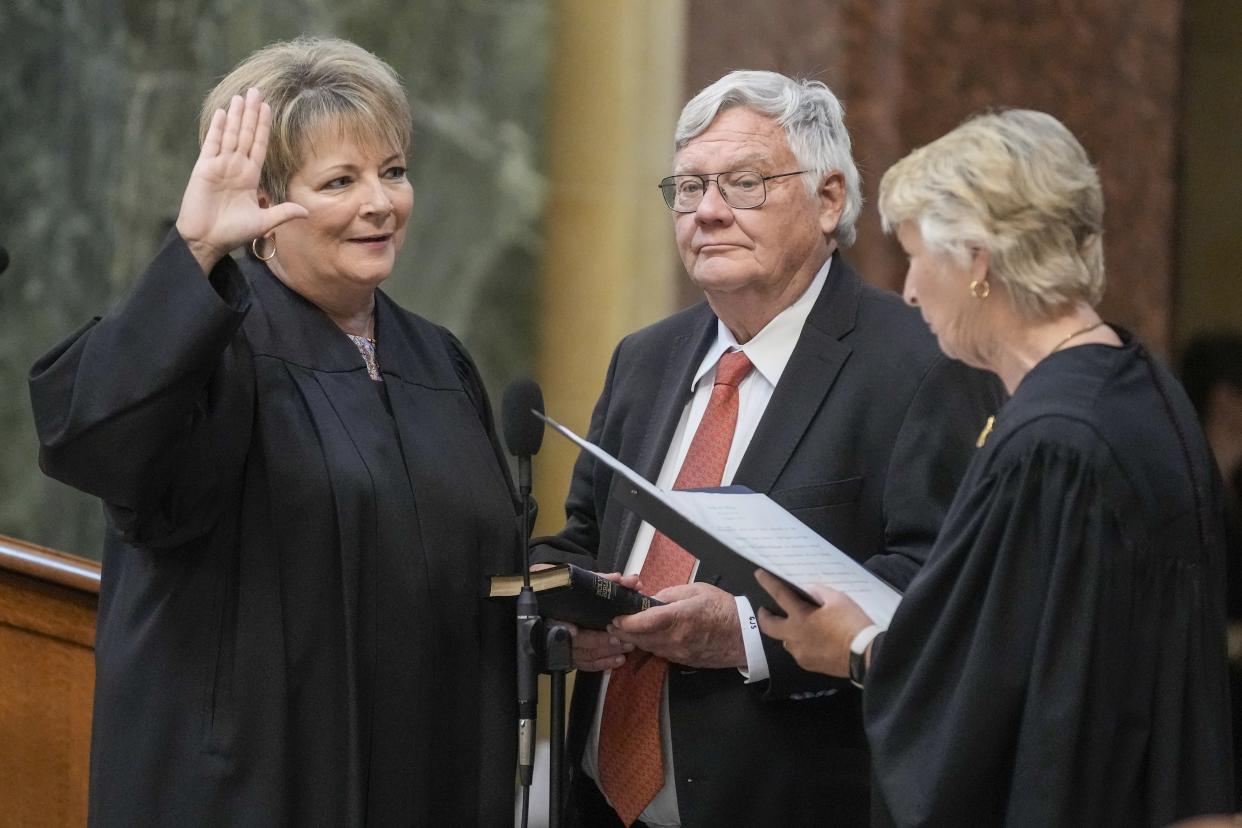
{"x":697,"y":627}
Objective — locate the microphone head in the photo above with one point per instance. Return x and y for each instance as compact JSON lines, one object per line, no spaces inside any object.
{"x":4,"y":259}
{"x":523,"y":430}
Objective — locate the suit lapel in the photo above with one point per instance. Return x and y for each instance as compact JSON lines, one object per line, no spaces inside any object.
{"x":813,"y":367}
{"x":672,"y":392}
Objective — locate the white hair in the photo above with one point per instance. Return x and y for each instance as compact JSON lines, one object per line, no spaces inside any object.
{"x":813,"y":120}
{"x":1019,"y":185}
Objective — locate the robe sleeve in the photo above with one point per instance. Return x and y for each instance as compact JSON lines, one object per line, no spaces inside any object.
{"x":147,"y":407}
{"x":984,"y":704}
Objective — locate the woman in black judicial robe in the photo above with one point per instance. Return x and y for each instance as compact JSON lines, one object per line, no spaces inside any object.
{"x":1060,"y":659}
{"x":303,"y":484}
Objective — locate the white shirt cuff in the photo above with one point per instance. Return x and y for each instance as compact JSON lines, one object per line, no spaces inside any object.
{"x":752,"y":640}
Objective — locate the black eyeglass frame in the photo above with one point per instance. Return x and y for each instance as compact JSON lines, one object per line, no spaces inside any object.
{"x":670,"y":194}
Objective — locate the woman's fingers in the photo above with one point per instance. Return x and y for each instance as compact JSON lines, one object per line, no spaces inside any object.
{"x":232,"y":123}
{"x":211,"y":141}
{"x":786,"y":598}
{"x":258,"y":150}
{"x":249,"y":121}
{"x":243,"y":128}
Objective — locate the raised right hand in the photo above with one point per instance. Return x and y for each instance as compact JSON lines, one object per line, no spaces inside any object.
{"x":220,"y":208}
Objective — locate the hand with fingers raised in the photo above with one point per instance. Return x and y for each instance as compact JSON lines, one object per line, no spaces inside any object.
{"x":220,"y":209}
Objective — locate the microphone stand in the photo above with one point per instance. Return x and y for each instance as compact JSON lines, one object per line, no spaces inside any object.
{"x":541,"y":648}
{"x":528,"y":626}
{"x":558,"y":661}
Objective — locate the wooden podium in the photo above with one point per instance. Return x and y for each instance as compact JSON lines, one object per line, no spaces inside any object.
{"x":47,"y":678}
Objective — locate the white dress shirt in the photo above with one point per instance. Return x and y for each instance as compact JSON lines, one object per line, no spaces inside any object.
{"x":769,"y":352}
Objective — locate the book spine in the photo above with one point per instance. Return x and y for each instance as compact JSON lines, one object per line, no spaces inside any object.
{"x":626,"y":600}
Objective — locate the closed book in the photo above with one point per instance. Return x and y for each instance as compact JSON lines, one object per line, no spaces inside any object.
{"x":579,"y":596}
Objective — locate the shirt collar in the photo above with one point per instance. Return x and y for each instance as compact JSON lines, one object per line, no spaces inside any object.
{"x":770,"y":349}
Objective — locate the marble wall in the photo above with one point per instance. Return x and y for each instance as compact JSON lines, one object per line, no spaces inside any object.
{"x":98,"y":125}
{"x":910,"y":70}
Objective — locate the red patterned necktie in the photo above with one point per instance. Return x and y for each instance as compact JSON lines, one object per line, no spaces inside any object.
{"x":631,"y":766}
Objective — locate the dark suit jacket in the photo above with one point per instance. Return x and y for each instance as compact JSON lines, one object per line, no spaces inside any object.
{"x":865,"y":439}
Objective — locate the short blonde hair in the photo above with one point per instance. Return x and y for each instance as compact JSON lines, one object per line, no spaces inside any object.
{"x":311,"y":83}
{"x":1019,"y":185}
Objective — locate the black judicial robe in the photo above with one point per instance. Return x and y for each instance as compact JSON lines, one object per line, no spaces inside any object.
{"x":290,"y":631}
{"x":1060,"y":659}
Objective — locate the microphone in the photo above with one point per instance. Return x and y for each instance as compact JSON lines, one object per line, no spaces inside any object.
{"x":523,"y":430}
{"x":524,"y":435}
{"x":4,"y":265}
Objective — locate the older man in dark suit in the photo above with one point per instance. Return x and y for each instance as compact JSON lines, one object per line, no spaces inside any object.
{"x":793,"y":378}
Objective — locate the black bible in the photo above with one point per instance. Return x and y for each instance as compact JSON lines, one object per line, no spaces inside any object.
{"x":579,"y":596}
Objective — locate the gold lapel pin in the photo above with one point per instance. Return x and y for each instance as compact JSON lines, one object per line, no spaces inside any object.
{"x":987,"y":429}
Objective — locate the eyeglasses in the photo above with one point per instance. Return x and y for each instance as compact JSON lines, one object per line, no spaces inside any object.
{"x":740,"y":189}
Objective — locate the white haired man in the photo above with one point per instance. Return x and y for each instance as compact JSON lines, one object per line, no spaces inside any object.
{"x":793,"y":378}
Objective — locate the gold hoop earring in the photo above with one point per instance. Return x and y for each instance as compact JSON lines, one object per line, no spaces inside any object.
{"x":254,"y":248}
{"x":979,"y":288}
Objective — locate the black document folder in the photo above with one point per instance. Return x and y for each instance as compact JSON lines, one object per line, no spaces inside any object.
{"x":734,"y":531}
{"x":718,"y":557}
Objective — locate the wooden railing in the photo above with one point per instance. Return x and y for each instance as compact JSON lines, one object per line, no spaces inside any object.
{"x":47,"y":677}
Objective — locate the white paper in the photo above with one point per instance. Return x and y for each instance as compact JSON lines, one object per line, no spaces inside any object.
{"x":758,"y":529}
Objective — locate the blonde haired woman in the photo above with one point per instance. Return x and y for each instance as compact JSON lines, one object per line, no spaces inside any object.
{"x":1059,"y":660}
{"x":303,"y":485}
